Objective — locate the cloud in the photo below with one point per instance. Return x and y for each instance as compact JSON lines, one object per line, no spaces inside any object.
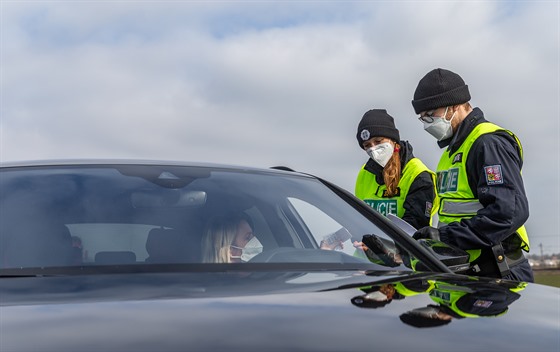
{"x":269,"y":83}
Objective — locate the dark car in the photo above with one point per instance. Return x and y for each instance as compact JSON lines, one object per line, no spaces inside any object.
{"x":114,"y":256}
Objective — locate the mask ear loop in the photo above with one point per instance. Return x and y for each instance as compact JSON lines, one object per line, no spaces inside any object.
{"x":454,"y":112}
{"x":235,"y":256}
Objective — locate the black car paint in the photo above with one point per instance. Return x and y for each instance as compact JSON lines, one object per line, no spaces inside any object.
{"x":252,"y":311}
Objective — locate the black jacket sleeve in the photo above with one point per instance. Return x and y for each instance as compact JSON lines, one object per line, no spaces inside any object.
{"x":505,"y":205}
{"x":419,"y":201}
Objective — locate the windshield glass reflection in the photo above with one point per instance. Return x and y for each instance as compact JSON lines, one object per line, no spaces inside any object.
{"x":64,"y":216}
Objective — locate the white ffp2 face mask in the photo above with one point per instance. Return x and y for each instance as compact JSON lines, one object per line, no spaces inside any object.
{"x":381,"y":153}
{"x":251,"y":249}
{"x":440,"y":128}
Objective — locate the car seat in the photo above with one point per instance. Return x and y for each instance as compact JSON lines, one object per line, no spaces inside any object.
{"x":36,"y":243}
{"x":169,"y":246}
{"x":115,"y":257}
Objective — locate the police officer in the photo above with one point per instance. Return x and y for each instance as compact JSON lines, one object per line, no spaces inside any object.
{"x":483,"y":205}
{"x":393,"y":180}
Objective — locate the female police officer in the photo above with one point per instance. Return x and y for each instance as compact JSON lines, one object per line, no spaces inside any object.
{"x":393,"y":180}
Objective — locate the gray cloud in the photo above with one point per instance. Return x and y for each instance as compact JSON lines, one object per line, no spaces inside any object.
{"x":271,"y":83}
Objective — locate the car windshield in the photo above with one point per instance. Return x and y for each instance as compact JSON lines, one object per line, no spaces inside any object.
{"x":99,"y":215}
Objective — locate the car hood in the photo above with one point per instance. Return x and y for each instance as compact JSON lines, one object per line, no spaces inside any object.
{"x":266,"y":311}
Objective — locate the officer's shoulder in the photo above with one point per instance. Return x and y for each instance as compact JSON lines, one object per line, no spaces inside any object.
{"x":497,"y":137}
{"x":422,"y":179}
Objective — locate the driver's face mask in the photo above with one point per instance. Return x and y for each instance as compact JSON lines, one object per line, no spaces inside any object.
{"x":251,"y":249}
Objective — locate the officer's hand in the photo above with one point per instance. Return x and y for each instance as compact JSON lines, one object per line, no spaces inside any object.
{"x":427,"y":232}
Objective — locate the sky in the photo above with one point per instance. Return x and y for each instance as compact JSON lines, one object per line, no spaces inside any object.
{"x":267,"y":83}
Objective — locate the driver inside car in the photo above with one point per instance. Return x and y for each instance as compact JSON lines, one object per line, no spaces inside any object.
{"x":230,"y":239}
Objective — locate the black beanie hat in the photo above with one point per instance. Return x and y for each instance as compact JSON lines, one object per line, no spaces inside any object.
{"x":376,"y":123}
{"x":362,"y":302}
{"x":439,"y":88}
{"x":421,"y":322}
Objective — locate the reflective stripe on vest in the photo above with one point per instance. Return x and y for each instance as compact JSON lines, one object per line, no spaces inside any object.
{"x":368,"y":190}
{"x":457,"y":200}
{"x":457,"y":207}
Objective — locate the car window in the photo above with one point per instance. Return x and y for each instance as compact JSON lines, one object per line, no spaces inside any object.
{"x":86,"y":215}
{"x":321,"y":226}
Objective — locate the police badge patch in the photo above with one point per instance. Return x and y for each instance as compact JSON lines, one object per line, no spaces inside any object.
{"x":493,"y":175}
{"x":364,"y":135}
{"x":457,"y":158}
{"x":428,"y":210}
{"x":482,"y":303}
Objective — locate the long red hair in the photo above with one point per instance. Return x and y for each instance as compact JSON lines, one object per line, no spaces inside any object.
{"x":392,"y":172}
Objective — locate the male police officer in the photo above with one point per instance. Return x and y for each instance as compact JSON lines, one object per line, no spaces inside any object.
{"x":483,"y":205}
